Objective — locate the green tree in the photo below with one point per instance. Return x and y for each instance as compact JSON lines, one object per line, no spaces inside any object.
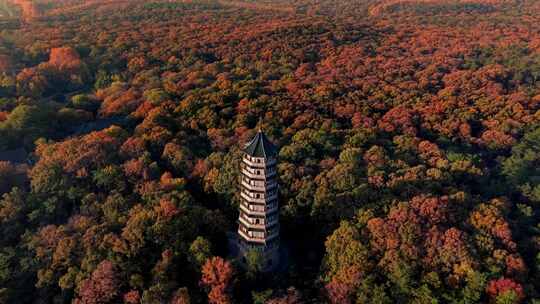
{"x":156,"y":96}
{"x":84,"y":102}
{"x":522,"y":169}
{"x":344,"y":250}
{"x":26,"y":123}
{"x":261,"y":297}
{"x":103,"y":80}
{"x":254,"y":262}
{"x":199,"y":251}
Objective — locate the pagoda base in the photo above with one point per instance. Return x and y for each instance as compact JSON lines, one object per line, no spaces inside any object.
{"x":272,"y":259}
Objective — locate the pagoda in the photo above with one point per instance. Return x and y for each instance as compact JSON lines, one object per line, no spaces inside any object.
{"x":259,"y":217}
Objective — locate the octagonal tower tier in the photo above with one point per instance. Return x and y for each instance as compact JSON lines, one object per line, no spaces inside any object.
{"x":258,"y":227}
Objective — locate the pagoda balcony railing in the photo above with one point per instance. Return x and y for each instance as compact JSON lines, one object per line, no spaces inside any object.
{"x":265,"y":237}
{"x":259,"y":208}
{"x":261,"y":188}
{"x":268,"y":175}
{"x":267,"y":163}
{"x":268,"y":171}
{"x":262,"y":200}
{"x":251,"y":225}
{"x":262,"y":225}
{"x":251,"y":239}
{"x":259,"y":211}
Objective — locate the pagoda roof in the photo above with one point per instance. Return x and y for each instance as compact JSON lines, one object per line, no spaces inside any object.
{"x":260,"y":146}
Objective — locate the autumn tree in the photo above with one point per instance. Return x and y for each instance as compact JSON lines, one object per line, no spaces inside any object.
{"x":217,"y":275}
{"x":345,"y":263}
{"x":101,"y":287}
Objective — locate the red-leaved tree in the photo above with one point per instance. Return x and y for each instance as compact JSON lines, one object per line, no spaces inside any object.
{"x":101,"y":287}
{"x":217,"y":275}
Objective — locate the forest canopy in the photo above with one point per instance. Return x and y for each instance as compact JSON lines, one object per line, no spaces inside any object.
{"x":408,"y":135}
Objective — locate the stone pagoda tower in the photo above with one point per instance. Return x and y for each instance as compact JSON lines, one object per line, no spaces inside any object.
{"x":259,"y":218}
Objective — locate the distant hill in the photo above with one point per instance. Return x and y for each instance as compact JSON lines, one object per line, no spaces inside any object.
{"x":259,"y":5}
{"x":33,"y":9}
{"x":8,"y":10}
{"x":435,"y":6}
{"x":28,"y":9}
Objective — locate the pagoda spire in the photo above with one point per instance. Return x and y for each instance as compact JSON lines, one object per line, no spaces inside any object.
{"x":260,"y":146}
{"x":260,"y":125}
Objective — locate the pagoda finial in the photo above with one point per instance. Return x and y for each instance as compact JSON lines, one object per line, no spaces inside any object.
{"x":259,"y":125}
